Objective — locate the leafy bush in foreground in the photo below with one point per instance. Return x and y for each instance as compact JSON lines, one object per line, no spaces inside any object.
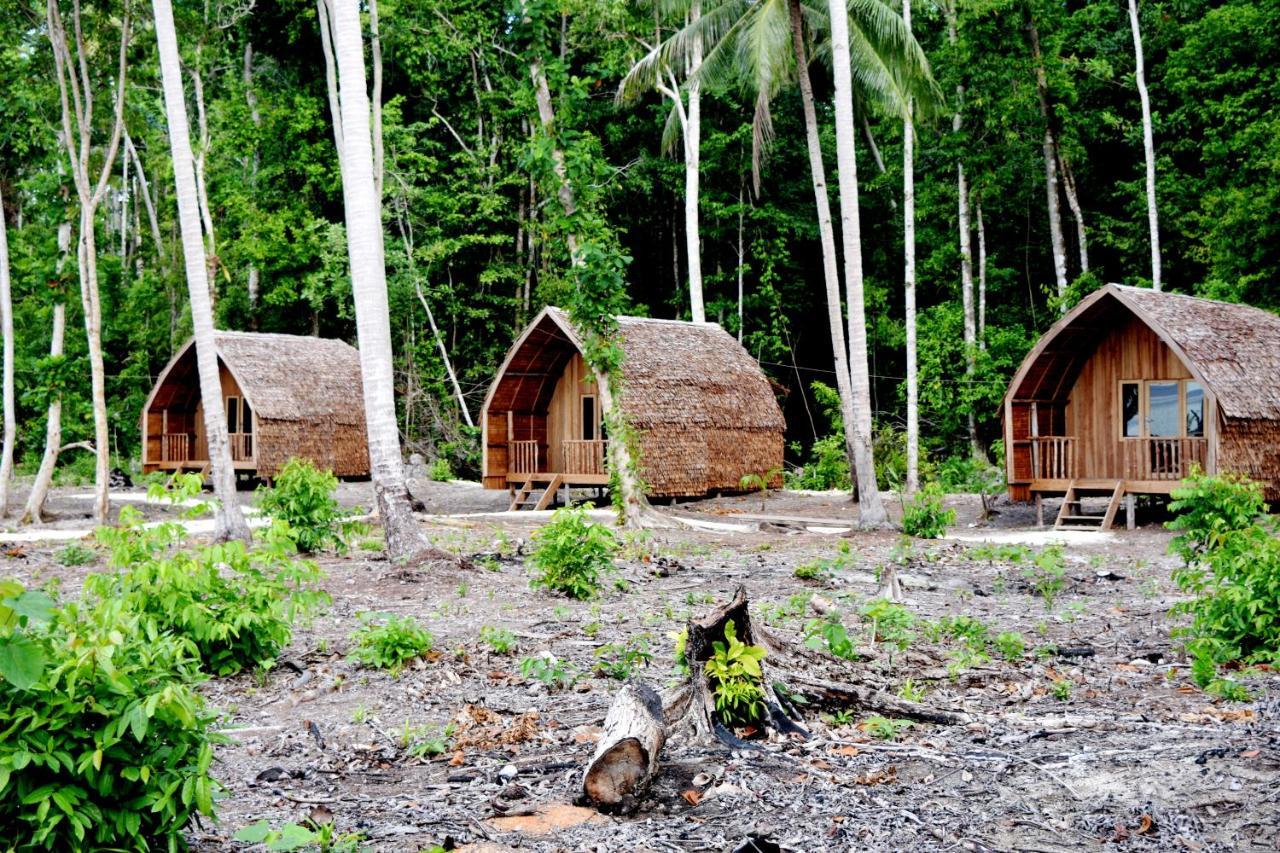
{"x":110,"y":748}
{"x":302,"y":495}
{"x":925,"y":517}
{"x":392,"y":644}
{"x":570,"y":553}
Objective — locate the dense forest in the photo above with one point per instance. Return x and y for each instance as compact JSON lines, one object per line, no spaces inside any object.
{"x":1030,"y":175}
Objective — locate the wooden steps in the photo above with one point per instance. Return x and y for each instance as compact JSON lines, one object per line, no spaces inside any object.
{"x":1072,"y":514}
{"x":529,"y":493}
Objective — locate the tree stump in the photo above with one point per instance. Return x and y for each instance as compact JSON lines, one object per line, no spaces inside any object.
{"x":627,"y":755}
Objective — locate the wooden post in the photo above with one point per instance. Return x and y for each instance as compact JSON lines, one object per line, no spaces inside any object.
{"x":1130,"y":520}
{"x":1039,"y":510}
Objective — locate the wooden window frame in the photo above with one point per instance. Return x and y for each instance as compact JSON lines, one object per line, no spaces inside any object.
{"x":1144,"y":409}
{"x":226,"y":408}
{"x":595,"y":416}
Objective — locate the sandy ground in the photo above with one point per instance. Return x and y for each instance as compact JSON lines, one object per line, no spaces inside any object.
{"x":1094,"y":739}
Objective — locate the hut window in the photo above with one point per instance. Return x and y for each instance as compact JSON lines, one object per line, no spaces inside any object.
{"x":233,"y":414}
{"x":588,"y":418}
{"x":1162,"y":409}
{"x":1129,"y":401}
{"x":1195,"y":409}
{"x":246,"y":417}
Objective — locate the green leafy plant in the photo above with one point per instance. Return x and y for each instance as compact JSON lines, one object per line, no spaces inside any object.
{"x":925,"y":517}
{"x":621,"y":660}
{"x":910,"y":690}
{"x":302,"y":496}
{"x":570,"y":554}
{"x":973,"y":632}
{"x":22,"y":657}
{"x":760,"y":483}
{"x":884,"y":728}
{"x":550,"y":670}
{"x":389,"y":642}
{"x":1010,"y":645}
{"x":1062,"y":689}
{"x":1211,"y":509}
{"x":440,"y":471}
{"x":736,"y":679}
{"x":237,"y":605}
{"x":323,"y":837}
{"x":499,"y":640}
{"x":111,"y":747}
{"x":830,"y":634}
{"x":890,"y":623}
{"x":1047,"y":574}
{"x":75,"y":554}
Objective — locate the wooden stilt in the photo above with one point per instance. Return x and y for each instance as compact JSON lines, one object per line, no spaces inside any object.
{"x":1039,"y":510}
{"x":1130,"y":512}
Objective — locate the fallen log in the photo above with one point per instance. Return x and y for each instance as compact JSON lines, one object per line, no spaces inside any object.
{"x":626,"y":756}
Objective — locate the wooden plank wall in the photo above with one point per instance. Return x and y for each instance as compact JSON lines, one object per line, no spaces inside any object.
{"x":1131,"y":351}
{"x":564,"y":414}
{"x":495,"y":451}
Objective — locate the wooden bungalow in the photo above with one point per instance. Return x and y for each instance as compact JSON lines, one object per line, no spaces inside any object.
{"x":703,"y":412}
{"x":284,"y":395}
{"x":1132,"y":388}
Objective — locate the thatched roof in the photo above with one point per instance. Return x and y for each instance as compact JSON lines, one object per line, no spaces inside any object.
{"x":694,"y":375}
{"x":1233,"y":350}
{"x":284,"y":377}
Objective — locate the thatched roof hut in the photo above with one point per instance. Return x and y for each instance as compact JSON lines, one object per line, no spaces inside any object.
{"x":703,"y":412}
{"x":1135,"y":386}
{"x":285,"y":396}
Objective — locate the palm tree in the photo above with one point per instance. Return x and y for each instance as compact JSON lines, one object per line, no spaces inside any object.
{"x":405,"y":540}
{"x":230,"y":523}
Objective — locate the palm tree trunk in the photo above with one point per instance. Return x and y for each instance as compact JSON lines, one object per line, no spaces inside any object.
{"x":229,"y":521}
{"x":1148,"y":144}
{"x":826,"y":232}
{"x":909,"y":286}
{"x":363,"y":209}
{"x":870,"y":508}
{"x":6,"y":327}
{"x":692,"y":165}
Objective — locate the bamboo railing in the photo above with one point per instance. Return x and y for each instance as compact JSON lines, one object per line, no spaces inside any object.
{"x":584,"y":457}
{"x":175,"y":447}
{"x":1163,"y":458}
{"x":522,"y":457}
{"x":1053,"y":457}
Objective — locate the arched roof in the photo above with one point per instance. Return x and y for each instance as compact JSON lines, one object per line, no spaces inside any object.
{"x":1233,"y":350}
{"x":284,"y":377}
{"x":673,"y":373}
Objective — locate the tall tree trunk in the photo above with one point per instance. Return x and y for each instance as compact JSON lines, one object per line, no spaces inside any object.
{"x":324,"y":12}
{"x":1148,"y":144}
{"x":210,"y":251}
{"x":826,"y":231}
{"x":741,"y":251}
{"x":6,"y":327}
{"x":870,"y":507}
{"x":363,"y":213}
{"x":1049,"y":151}
{"x":982,"y":279}
{"x":375,"y":52}
{"x":53,"y":416}
{"x":132,"y":152}
{"x":229,"y":521}
{"x":75,"y":90}
{"x":251,"y":98}
{"x":692,"y":165}
{"x":1073,"y":202}
{"x":909,"y":285}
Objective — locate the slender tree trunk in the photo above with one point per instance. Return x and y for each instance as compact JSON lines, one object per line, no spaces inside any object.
{"x":741,"y":252}
{"x":132,"y":152}
{"x":75,"y":90}
{"x":251,"y":98}
{"x":229,"y":521}
{"x":982,"y":279}
{"x":6,"y":327}
{"x":53,"y":417}
{"x":324,"y":12}
{"x":870,"y":507}
{"x":692,"y":166}
{"x":202,"y":193}
{"x":1073,"y":202}
{"x":362,"y":206}
{"x":1049,"y":151}
{"x":909,"y":285}
{"x":826,"y":231}
{"x":1148,"y":144}
{"x":375,"y":98}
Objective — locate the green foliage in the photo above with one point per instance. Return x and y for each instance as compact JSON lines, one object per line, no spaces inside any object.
{"x":1010,"y":645}
{"x":1211,"y":509}
{"x":884,"y":728}
{"x":302,"y":496}
{"x":75,"y":554}
{"x":824,"y":568}
{"x":499,"y":640}
{"x":237,"y":605}
{"x":22,"y":659}
{"x":830,"y":634}
{"x":111,"y":747}
{"x":550,"y":670}
{"x":323,"y":837}
{"x":1062,"y":689}
{"x":972,"y":632}
{"x":759,"y":483}
{"x":389,"y":642}
{"x":621,"y":660}
{"x":571,"y":553}
{"x":827,"y":467}
{"x":925,"y":517}
{"x":736,"y":679}
{"x":962,"y":473}
{"x":891,"y":623}
{"x":1047,"y":574}
{"x":441,"y":471}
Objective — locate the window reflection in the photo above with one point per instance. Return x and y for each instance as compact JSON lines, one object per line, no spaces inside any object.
{"x":1195,"y":409}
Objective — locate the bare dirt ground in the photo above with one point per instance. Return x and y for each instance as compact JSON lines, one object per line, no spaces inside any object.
{"x":1095,"y":739}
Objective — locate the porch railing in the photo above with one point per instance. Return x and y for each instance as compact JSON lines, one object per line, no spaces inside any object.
{"x":175,"y":447}
{"x":1053,"y":457}
{"x":1163,"y":458}
{"x":241,"y":446}
{"x":522,"y":457}
{"x":584,"y":457}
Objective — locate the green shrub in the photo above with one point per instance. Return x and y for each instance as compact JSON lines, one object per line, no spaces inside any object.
{"x":1211,"y":508}
{"x":891,"y":622}
{"x":500,"y":640}
{"x":75,"y":554}
{"x":621,"y":660}
{"x":570,"y":553}
{"x":440,"y":470}
{"x":1047,"y":574}
{"x":302,"y":496}
{"x":1010,"y":645}
{"x":22,"y":658}
{"x":111,"y":747}
{"x":550,"y":670}
{"x":925,"y":517}
{"x":390,"y":644}
{"x":884,"y":728}
{"x":736,"y":679}
{"x":830,"y":634}
{"x":236,"y":605}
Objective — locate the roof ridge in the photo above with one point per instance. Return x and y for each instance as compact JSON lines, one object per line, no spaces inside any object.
{"x":1147,"y":291}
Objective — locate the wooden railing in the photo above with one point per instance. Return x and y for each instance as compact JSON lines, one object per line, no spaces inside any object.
{"x":241,"y":446}
{"x":175,"y":447}
{"x":1053,"y":457}
{"x":584,"y":457}
{"x":522,"y":457}
{"x":1163,"y":458}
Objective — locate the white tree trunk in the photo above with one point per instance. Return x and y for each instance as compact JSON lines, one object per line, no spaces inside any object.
{"x":6,"y":327}
{"x":86,"y":256}
{"x":363,"y":209}
{"x":132,"y":152}
{"x":1148,"y":144}
{"x":1057,"y":243}
{"x":909,"y":286}
{"x":870,"y":507}
{"x":1073,"y":202}
{"x":53,"y":417}
{"x":982,"y":279}
{"x":324,"y":12}
{"x":210,"y":252}
{"x":229,"y":522}
{"x":692,"y":165}
{"x":251,"y":98}
{"x":444,"y":355}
